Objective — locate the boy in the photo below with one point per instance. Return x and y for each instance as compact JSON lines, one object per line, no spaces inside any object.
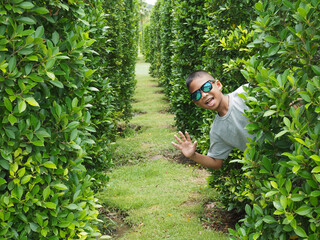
{"x":228,"y":129}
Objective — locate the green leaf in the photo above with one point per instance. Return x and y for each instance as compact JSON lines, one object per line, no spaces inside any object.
{"x":316,"y":169}
{"x":32,"y":101}
{"x":39,"y":219}
{"x":2,"y":181}
{"x":305,"y":96}
{"x":55,"y":38}
{"x":259,"y":6}
{"x":252,"y":126}
{"x":18,"y":191}
{"x":57,"y":84}
{"x":72,"y":206}
{"x":4,"y":164}
{"x":34,"y":227}
{"x":316,"y":69}
{"x":51,"y":75}
{"x":281,"y":133}
{"x":271,"y":39}
{"x":283,"y":201}
{"x":8,"y":104}
{"x":26,"y":179}
{"x":35,"y":78}
{"x":88,"y":73}
{"x":269,"y":113}
{"x":74,"y":135}
{"x":12,"y":63}
{"x":271,"y":193}
{"x":315,"y":193}
{"x":258,"y":209}
{"x":300,"y":141}
{"x":64,"y":224}
{"x":42,"y":133}
{"x":38,"y":143}
{"x":302,"y":12}
{"x":22,"y":106}
{"x":26,"y":5}
{"x":60,"y":186}
{"x":303,"y":210}
{"x":273,"y":50}
{"x":39,"y":32}
{"x":50,"y":64}
{"x":269,"y":219}
{"x":46,"y":192}
{"x":245,"y":74}
{"x":50,"y":205}
{"x":315,"y":158}
{"x":41,"y":10}
{"x":300,"y":232}
{"x":10,"y":133}
{"x":50,"y":165}
{"x":73,"y":124}
{"x":287,"y":3}
{"x":33,"y":58}
{"x":27,"y":20}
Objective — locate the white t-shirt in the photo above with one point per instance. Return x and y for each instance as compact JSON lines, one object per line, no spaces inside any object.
{"x":229,"y":131}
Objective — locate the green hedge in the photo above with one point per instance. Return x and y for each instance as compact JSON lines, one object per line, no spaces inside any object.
{"x":283,"y":164}
{"x":45,"y":191}
{"x":113,"y":58}
{"x":273,"y":45}
{"x":59,"y":109}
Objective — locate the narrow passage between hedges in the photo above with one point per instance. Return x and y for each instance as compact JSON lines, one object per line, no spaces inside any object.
{"x":159,"y":198}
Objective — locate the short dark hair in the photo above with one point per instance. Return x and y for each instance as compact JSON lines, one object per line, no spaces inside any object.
{"x":195,"y":74}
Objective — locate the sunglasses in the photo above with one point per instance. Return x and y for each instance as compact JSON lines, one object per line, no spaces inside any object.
{"x":206,"y":87}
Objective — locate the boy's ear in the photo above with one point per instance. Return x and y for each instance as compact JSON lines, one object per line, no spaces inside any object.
{"x":219,"y":84}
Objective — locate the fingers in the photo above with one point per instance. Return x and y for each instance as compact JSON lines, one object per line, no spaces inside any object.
{"x":182,"y":136}
{"x":195,"y":144}
{"x":178,"y":139}
{"x":176,"y":146}
{"x":188,"y":136}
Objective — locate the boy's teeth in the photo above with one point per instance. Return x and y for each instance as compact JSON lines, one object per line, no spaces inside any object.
{"x":207,"y":102}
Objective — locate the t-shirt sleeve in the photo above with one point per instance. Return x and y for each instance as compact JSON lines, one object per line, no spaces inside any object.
{"x":218,"y":149}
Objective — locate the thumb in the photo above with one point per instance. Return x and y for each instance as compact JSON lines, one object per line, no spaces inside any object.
{"x":195,"y":144}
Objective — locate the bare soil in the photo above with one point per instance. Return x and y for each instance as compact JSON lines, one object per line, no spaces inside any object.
{"x":219,"y":219}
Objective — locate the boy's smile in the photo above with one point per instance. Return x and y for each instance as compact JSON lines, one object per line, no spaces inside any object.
{"x":212,"y":100}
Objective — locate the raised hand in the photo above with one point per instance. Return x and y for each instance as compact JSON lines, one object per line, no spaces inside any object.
{"x":185,"y":144}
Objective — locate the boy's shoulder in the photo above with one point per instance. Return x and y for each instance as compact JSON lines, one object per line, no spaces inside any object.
{"x":240,"y":89}
{"x":238,"y":100}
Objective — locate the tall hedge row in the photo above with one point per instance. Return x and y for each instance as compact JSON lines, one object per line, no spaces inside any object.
{"x":274,"y":46}
{"x":50,"y":86}
{"x":283,"y":163}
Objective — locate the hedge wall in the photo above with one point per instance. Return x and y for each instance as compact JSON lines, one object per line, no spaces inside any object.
{"x":50,"y":87}
{"x":283,"y":163}
{"x":273,"y":45}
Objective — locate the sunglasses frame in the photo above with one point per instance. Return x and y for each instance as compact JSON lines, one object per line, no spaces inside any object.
{"x":201,"y":89}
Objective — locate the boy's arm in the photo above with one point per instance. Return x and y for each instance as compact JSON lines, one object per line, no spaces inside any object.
{"x":207,"y":161}
{"x":188,"y":149}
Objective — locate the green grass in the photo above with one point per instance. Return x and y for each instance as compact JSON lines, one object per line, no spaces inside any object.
{"x":163,"y":199}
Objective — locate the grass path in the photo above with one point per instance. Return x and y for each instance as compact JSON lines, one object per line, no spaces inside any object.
{"x":162,"y":199}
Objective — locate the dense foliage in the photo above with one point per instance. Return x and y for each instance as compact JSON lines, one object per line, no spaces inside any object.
{"x":273,"y":45}
{"x":54,"y":72}
{"x":283,"y":163}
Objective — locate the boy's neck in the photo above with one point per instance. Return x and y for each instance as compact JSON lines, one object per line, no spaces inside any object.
{"x":224,"y":106}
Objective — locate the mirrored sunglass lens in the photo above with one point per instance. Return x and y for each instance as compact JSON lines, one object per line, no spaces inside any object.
{"x":207,"y":87}
{"x":196,"y":95}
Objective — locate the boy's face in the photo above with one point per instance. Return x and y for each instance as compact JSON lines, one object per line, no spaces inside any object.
{"x":209,"y":100}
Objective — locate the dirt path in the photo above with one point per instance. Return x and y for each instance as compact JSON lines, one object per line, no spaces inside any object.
{"x":161,"y":199}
